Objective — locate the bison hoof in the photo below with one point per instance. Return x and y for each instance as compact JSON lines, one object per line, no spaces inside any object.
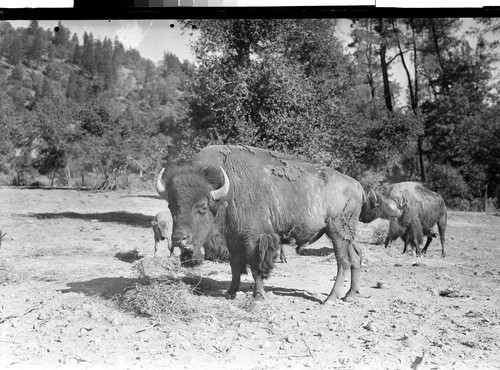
{"x":348,"y":299}
{"x":230,"y":295}
{"x":258,"y":296}
{"x":283,"y":260}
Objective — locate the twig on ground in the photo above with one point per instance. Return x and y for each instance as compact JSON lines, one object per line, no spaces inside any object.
{"x":3,"y":319}
{"x":148,"y":328}
{"x":310,"y":353}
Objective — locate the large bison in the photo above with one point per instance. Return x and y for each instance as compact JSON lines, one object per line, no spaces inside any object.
{"x":423,"y":209}
{"x":263,"y":196}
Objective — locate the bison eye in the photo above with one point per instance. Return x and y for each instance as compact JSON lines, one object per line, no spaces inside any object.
{"x":202,"y":207}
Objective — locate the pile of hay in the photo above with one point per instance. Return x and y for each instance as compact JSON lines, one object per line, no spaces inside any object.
{"x":155,"y":268}
{"x":379,"y":233}
{"x":164,"y":299}
{"x":8,"y":273}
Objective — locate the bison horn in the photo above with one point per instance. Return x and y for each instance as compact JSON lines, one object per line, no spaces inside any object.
{"x":160,"y":187}
{"x":374,"y":195}
{"x":223,"y":190}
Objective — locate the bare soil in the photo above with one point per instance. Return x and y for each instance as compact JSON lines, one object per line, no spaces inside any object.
{"x":61,"y":280}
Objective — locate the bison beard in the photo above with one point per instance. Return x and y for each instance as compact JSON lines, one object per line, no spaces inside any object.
{"x":267,"y":196}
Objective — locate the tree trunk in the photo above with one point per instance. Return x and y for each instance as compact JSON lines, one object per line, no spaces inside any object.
{"x":67,"y":172}
{"x":83,"y":178}
{"x":421,"y":160}
{"x":485,"y":197}
{"x":52,"y":179}
{"x":383,"y":65}
{"x":413,"y":101}
{"x":415,"y":64}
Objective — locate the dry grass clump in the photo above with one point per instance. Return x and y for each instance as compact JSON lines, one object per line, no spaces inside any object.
{"x":164,"y":299}
{"x":379,"y":233}
{"x":8,"y":274}
{"x":153,"y":268}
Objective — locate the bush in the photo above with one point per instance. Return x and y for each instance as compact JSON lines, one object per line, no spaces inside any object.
{"x":458,"y":204}
{"x":447,"y":181}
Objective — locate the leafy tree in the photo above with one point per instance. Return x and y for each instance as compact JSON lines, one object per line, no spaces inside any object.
{"x":14,"y":50}
{"x":270,"y":83}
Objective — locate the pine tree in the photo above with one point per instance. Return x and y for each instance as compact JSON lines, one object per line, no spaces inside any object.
{"x":88,"y":54}
{"x":37,"y":48}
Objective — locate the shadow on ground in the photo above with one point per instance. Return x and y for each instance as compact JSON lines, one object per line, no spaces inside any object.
{"x":293,"y":293}
{"x":121,"y":217}
{"x":320,"y":252}
{"x":144,"y":196}
{"x":107,"y":287}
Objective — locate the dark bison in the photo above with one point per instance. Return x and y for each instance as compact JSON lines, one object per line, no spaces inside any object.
{"x":408,"y":228}
{"x":422,"y":209}
{"x":263,"y":196}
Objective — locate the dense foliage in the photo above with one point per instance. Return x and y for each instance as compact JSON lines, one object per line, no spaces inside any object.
{"x":83,"y":114}
{"x":88,"y":113}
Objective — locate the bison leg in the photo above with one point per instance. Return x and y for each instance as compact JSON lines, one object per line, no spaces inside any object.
{"x":388,"y":241}
{"x":417,"y":248}
{"x":355,"y":257}
{"x":156,"y":247}
{"x":348,"y":257}
{"x":405,"y":248}
{"x":427,"y":243}
{"x":235,"y":278}
{"x":258,"y":289}
{"x":442,"y":230}
{"x":282,"y":255}
{"x":262,"y":261}
{"x":170,"y":247}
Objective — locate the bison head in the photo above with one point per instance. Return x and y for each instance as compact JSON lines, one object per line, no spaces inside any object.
{"x":376,"y":206}
{"x":194,"y":198}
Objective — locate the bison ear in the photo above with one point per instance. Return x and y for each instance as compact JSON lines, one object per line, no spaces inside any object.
{"x":218,"y":206}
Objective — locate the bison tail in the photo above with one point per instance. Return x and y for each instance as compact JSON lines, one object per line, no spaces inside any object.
{"x":268,"y":247}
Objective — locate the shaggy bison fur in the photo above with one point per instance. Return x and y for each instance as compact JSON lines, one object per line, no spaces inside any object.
{"x":422,"y":210}
{"x":262,"y":196}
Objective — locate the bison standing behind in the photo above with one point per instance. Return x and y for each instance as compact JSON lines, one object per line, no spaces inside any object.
{"x":262,"y":196}
{"x":423,"y":209}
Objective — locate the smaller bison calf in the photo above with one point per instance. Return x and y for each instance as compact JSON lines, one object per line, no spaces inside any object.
{"x":408,"y":228}
{"x":162,"y":228}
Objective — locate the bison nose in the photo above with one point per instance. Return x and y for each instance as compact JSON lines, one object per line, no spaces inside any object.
{"x":181,"y":240}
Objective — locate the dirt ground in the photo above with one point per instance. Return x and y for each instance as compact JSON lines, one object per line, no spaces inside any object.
{"x":60,"y":278}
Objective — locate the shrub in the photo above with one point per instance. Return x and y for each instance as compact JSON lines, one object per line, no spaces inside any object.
{"x":447,"y":181}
